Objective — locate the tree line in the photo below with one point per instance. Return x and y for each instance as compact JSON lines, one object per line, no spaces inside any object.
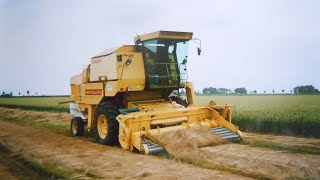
{"x":212,"y":90}
{"x":4,"y":94}
{"x":308,"y":89}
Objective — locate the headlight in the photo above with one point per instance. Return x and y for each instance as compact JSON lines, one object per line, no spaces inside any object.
{"x":128,"y":62}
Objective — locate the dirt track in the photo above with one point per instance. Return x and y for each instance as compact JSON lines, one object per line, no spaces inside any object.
{"x":91,"y":160}
{"x":5,"y":174}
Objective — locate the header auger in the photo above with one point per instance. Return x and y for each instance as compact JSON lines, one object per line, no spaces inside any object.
{"x":124,"y":95}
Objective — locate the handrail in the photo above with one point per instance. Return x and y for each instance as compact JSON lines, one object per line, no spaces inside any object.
{"x":167,"y":69}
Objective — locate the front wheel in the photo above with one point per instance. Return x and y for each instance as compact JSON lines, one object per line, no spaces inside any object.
{"x":106,"y":125}
{"x":77,"y":126}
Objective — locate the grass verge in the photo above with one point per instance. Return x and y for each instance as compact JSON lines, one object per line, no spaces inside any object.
{"x":282,"y":147}
{"x":36,"y":108}
{"x":56,"y":128}
{"x":26,"y":169}
{"x":62,"y":129}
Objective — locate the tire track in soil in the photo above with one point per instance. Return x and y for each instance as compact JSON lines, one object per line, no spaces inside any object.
{"x":90,"y":161}
{"x":267,"y":162}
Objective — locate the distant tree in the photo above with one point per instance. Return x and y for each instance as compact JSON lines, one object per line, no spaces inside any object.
{"x":224,"y":91}
{"x":241,"y":90}
{"x":308,"y":89}
{"x":212,"y":90}
{"x":283,"y":90}
{"x":205,"y":91}
{"x":6,"y":94}
{"x":253,"y":92}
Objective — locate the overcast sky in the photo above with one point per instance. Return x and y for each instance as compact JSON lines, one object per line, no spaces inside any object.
{"x":261,"y":44}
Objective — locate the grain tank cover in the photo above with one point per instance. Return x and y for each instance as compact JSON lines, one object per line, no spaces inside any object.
{"x":104,"y":64}
{"x":107,"y":52}
{"x":164,"y":35}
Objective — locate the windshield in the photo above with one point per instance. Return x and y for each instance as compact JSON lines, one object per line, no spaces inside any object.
{"x":164,"y":63}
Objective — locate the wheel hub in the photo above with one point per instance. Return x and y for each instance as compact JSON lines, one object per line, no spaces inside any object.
{"x":102,"y":126}
{"x":74,"y":127}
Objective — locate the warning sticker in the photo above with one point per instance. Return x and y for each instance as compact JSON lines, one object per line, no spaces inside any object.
{"x":109,"y":87}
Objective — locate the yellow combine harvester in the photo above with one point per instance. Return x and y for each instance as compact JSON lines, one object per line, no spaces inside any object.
{"x":124,"y":95}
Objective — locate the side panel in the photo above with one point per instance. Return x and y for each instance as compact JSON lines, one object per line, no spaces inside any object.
{"x":131,"y":75}
{"x":104,"y":66}
{"x":142,"y":96}
{"x":75,"y":92}
{"x":111,"y":88}
{"x":91,"y":93}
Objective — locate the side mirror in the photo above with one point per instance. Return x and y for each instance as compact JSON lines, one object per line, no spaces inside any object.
{"x":199,"y":51}
{"x":198,"y":41}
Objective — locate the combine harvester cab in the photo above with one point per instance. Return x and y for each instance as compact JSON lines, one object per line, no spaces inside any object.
{"x":124,"y":95}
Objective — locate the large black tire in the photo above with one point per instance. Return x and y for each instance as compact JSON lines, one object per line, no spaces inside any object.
{"x":106,"y":125}
{"x":77,"y":126}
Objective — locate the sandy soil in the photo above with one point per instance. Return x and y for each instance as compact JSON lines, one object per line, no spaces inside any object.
{"x":91,"y":160}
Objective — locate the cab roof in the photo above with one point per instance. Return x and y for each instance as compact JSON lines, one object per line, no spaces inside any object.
{"x":164,"y":35}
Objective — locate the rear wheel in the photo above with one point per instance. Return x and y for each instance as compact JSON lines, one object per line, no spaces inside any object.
{"x":106,"y":125}
{"x":76,"y":126}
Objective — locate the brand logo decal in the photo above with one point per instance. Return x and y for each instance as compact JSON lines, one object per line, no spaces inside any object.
{"x":93,"y":92}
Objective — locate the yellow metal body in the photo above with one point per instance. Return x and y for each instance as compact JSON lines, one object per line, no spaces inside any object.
{"x":159,"y":116}
{"x":88,"y":94}
{"x":122,"y":71}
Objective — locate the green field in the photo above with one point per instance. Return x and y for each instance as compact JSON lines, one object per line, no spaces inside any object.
{"x":36,"y":103}
{"x":278,"y":114}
